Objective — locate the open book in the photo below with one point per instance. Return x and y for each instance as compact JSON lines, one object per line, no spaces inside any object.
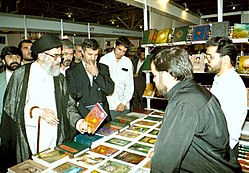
{"x":95,"y":117}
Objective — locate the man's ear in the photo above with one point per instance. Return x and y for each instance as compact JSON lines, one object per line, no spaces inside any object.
{"x":226,"y":59}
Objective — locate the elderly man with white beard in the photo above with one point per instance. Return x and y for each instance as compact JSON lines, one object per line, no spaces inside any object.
{"x":38,"y":110}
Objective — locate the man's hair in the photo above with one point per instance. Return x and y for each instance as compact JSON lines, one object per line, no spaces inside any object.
{"x":124,"y":41}
{"x":10,"y":50}
{"x":175,"y":61}
{"x":90,"y":43}
{"x":225,"y":47}
{"x":140,"y":50}
{"x":24,"y":41}
{"x":67,"y":44}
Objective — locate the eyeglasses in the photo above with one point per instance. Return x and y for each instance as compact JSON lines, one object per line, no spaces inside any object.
{"x":55,"y":56}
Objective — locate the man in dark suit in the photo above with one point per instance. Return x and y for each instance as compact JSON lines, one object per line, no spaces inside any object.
{"x":89,"y":82}
{"x":138,"y":102}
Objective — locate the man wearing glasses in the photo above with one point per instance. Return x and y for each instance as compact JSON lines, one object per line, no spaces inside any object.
{"x":38,"y":110}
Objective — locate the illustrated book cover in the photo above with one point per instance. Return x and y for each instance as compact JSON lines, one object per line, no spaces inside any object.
{"x":145,"y":123}
{"x":149,"y":36}
{"x":140,"y":148}
{"x":125,"y":119}
{"x":180,"y":34}
{"x":149,"y":90}
{"x":198,"y":62}
{"x":241,"y":30}
{"x":146,"y":64}
{"x":68,"y":167}
{"x":148,"y":140}
{"x":140,"y":129}
{"x":26,"y":167}
{"x":95,"y":117}
{"x":116,"y":124}
{"x":107,"y":131}
{"x":118,"y":141}
{"x":89,"y":159}
{"x":129,"y":134}
{"x":200,"y":32}
{"x":243,"y":65}
{"x":50,"y":157}
{"x":130,"y":157}
{"x":87,"y":139}
{"x":104,"y":150}
{"x":220,"y":29}
{"x":115,"y":167}
{"x":163,"y":36}
{"x":151,"y":118}
{"x":154,"y":132}
{"x":72,"y":148}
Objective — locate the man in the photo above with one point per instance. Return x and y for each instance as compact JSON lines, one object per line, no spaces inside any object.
{"x":38,"y":110}
{"x":25,"y":47}
{"x":228,"y":86}
{"x":78,"y":53}
{"x":194,"y":135}
{"x":121,"y":72}
{"x":89,"y":81}
{"x":138,"y":101}
{"x":67,"y":55}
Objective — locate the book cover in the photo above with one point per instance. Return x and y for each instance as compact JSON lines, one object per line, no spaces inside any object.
{"x":159,"y":113}
{"x":72,"y":148}
{"x":140,"y":129}
{"x":141,"y":170}
{"x":154,"y":132}
{"x":159,"y":126}
{"x":146,"y":64}
{"x":27,"y":166}
{"x":89,"y":159}
{"x":124,"y":119}
{"x":95,"y":117}
{"x":243,"y":65}
{"x":200,"y":32}
{"x":153,"y":118}
{"x":180,"y":34}
{"x":129,"y":134}
{"x":163,"y":36}
{"x":148,"y":140}
{"x":115,"y":167}
{"x":107,"y":131}
{"x":87,"y":139}
{"x":104,"y":150}
{"x":198,"y":62}
{"x":149,"y":36}
{"x":140,"y":148}
{"x":220,"y":29}
{"x":241,"y":30}
{"x":145,"y":123}
{"x":130,"y":157}
{"x":145,"y":37}
{"x":118,"y":141}
{"x":147,"y":165}
{"x":69,"y":167}
{"x":50,"y":157}
{"x":149,"y":90}
{"x":116,"y":124}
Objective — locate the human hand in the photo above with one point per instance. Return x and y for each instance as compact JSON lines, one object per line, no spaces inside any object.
{"x":120,"y":108}
{"x":48,"y":115}
{"x":84,"y":127}
{"x":92,"y":68}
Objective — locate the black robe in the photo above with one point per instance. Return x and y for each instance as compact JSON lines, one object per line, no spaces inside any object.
{"x":15,"y":144}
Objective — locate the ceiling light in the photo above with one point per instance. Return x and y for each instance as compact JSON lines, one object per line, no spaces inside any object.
{"x":234,"y":7}
{"x":185,"y":6}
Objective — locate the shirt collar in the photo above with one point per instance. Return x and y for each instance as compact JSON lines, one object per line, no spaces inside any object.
{"x":224,"y":76}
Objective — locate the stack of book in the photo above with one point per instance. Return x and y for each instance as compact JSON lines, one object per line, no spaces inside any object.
{"x":243,"y":156}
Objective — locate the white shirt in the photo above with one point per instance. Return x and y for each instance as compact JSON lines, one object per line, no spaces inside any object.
{"x":232,"y":95}
{"x":40,"y":93}
{"x":121,"y":73}
{"x":139,"y":64}
{"x":8,"y":75}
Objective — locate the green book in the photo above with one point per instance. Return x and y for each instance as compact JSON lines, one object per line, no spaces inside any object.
{"x":180,"y":34}
{"x":73,"y":149}
{"x":146,"y":65}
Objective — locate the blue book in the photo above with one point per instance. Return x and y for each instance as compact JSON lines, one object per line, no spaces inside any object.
{"x":200,"y":32}
{"x":87,"y":139}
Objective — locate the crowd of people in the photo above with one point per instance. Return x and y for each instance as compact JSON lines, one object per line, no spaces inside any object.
{"x":49,"y":86}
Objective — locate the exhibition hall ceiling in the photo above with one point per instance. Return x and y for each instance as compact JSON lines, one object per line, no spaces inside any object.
{"x":111,"y":12}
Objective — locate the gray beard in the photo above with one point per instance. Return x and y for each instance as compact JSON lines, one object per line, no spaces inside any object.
{"x":50,"y":68}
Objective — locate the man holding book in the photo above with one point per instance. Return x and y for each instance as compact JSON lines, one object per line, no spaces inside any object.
{"x":194,"y":135}
{"x":38,"y":112}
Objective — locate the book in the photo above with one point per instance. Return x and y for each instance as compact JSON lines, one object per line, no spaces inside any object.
{"x":140,"y":129}
{"x":148,"y":140}
{"x":198,"y":62}
{"x":149,"y":90}
{"x":154,"y":132}
{"x":129,"y":134}
{"x":180,"y":34}
{"x":243,"y":65}
{"x":146,"y":64}
{"x":157,"y":112}
{"x":200,"y":32}
{"x":107,"y":131}
{"x":147,"y":164}
{"x":68,"y":167}
{"x":72,"y":148}
{"x":149,"y":36}
{"x":115,"y":167}
{"x":220,"y":29}
{"x":87,"y":139}
{"x":118,"y":141}
{"x":95,"y":117}
{"x":130,"y":157}
{"x":151,"y":118}
{"x":163,"y":36}
{"x":145,"y":123}
{"x":27,"y":166}
{"x":104,"y":150}
{"x":116,"y":124}
{"x":89,"y":159}
{"x":141,"y":170}
{"x":241,"y":30}
{"x":50,"y":157}
{"x":125,"y":119}
{"x":140,"y":148}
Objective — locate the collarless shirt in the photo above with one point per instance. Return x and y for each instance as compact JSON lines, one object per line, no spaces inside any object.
{"x":232,"y":95}
{"x":121,"y":73}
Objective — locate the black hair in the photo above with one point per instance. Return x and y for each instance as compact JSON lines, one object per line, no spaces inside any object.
{"x":225,"y":47}
{"x":90,"y":43}
{"x":24,"y":41}
{"x":175,"y":61}
{"x":10,"y":50}
{"x":124,"y":41}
